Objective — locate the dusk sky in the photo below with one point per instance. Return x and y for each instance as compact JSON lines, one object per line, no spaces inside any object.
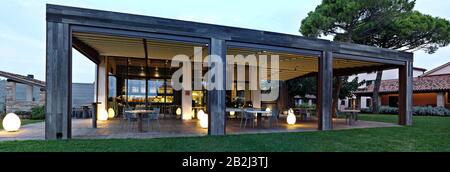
{"x":22,"y":25}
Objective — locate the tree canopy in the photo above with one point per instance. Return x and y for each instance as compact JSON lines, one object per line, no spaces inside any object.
{"x":414,"y":31}
{"x":381,"y":23}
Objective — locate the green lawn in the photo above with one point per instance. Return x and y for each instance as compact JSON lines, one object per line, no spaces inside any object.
{"x":427,"y":134}
{"x":24,"y":122}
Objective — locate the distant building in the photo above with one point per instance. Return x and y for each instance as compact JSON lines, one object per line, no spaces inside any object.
{"x":21,"y":93}
{"x":365,"y":100}
{"x":307,"y":99}
{"x":82,"y":94}
{"x":2,"y":96}
{"x":430,"y":88}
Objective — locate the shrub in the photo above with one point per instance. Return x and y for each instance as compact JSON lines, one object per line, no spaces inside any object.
{"x":431,"y":111}
{"x":366,"y":110}
{"x":306,"y":105}
{"x":417,"y":110}
{"x":38,"y":113}
{"x":23,"y":114}
{"x":388,"y":110}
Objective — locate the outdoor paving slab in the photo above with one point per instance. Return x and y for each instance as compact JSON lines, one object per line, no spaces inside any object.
{"x":115,"y":129}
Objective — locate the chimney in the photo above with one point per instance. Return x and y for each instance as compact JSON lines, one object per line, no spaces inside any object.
{"x":30,"y":76}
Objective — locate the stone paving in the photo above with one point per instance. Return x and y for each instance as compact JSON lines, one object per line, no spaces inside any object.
{"x":81,"y":129}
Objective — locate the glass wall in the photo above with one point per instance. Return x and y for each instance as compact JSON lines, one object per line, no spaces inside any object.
{"x":133,"y":83}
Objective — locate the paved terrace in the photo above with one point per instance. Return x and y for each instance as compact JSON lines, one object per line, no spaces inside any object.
{"x":114,"y":129}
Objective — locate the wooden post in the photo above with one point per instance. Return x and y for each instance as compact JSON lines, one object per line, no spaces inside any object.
{"x":358,"y":102}
{"x":58,"y":82}
{"x":405,"y":104}
{"x":95,"y":103}
{"x":324,"y":91}
{"x":216,"y":98}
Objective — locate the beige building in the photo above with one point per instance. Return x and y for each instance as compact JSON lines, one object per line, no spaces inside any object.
{"x":430,"y":88}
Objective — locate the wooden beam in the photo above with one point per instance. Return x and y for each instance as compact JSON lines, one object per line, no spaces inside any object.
{"x":405,"y":104}
{"x":58,"y":82}
{"x":325,"y":91}
{"x":361,"y":69}
{"x":216,"y":98}
{"x":122,"y":23}
{"x":86,"y":50}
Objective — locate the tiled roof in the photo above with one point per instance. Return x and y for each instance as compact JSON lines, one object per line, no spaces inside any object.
{"x":420,"y":84}
{"x":22,"y":79}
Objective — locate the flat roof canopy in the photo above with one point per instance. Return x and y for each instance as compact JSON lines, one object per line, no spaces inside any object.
{"x":137,"y":26}
{"x":292,"y":65}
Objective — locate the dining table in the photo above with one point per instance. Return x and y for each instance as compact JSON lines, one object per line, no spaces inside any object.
{"x":259,"y":115}
{"x":235,"y":110}
{"x":140,"y":115}
{"x":351,"y":115}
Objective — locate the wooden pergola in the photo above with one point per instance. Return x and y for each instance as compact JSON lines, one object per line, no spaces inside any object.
{"x":69,"y":27}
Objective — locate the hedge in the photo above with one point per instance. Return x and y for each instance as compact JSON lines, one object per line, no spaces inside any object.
{"x":417,"y":110}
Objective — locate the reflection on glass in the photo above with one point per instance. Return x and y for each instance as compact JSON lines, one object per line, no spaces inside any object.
{"x":198,"y":98}
{"x":136,"y":92}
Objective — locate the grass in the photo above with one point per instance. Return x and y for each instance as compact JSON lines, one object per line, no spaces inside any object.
{"x":23,"y":121}
{"x":427,"y":134}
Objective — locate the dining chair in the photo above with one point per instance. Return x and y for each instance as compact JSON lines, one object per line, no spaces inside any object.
{"x":128,"y":119}
{"x":124,"y":120}
{"x":247,"y":116}
{"x":153,"y":116}
{"x":274,"y":117}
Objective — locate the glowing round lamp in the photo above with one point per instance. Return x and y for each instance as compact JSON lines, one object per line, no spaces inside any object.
{"x":178,"y":112}
{"x":267,"y":109}
{"x":290,"y":111}
{"x":111,"y":113}
{"x":291,"y":119}
{"x":103,"y":115}
{"x":203,"y":120}
{"x":232,"y":113}
{"x":11,"y":122}
{"x":200,"y":114}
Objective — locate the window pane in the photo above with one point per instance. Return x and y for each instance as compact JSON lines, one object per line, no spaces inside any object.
{"x":21,"y":92}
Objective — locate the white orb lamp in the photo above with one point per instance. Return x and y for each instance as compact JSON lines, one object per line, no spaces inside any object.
{"x":291,"y":119}
{"x":290,"y":111}
{"x":204,"y":121}
{"x":103,"y":115}
{"x":11,"y":122}
{"x":268,"y":109}
{"x":111,"y":113}
{"x":178,"y":111}
{"x":232,"y":113}
{"x":203,"y":118}
{"x":200,"y":114}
